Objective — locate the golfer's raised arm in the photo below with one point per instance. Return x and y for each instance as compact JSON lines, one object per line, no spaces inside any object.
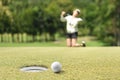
{"x":62,"y":18}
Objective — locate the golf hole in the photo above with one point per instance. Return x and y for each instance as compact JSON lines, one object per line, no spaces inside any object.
{"x":33,"y":68}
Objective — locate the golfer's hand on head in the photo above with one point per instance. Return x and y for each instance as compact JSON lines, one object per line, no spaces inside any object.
{"x":63,"y":13}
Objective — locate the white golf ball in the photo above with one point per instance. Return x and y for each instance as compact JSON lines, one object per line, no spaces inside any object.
{"x":83,"y":41}
{"x":56,"y":67}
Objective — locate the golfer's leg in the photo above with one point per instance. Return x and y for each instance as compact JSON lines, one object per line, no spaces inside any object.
{"x":68,"y":41}
{"x":74,"y":42}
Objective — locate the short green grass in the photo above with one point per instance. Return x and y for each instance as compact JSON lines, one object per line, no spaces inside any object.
{"x":48,"y":44}
{"x":90,"y":41}
{"x":90,"y":63}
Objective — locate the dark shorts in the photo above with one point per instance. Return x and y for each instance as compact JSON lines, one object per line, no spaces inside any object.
{"x":72,"y":35}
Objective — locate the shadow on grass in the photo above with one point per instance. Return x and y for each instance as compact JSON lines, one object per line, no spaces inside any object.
{"x":61,"y":72}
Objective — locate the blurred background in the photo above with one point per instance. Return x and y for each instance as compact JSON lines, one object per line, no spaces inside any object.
{"x":38,"y":21}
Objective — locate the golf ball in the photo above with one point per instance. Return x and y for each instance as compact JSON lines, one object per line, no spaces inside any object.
{"x":56,"y":67}
{"x":83,"y":41}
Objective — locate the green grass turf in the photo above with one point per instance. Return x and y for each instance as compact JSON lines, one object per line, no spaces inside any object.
{"x":90,"y":63}
{"x":61,"y":42}
{"x":48,"y":44}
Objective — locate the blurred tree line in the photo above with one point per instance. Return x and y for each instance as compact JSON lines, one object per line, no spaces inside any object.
{"x":30,"y":18}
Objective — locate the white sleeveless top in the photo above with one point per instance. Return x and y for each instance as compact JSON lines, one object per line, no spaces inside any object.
{"x":72,"y":23}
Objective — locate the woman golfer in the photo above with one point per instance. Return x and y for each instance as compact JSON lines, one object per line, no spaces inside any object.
{"x":71,"y":27}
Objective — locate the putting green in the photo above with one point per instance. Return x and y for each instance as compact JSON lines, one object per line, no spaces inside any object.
{"x":89,"y":63}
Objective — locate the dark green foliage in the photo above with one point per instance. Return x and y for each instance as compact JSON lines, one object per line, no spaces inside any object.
{"x":101,"y":18}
